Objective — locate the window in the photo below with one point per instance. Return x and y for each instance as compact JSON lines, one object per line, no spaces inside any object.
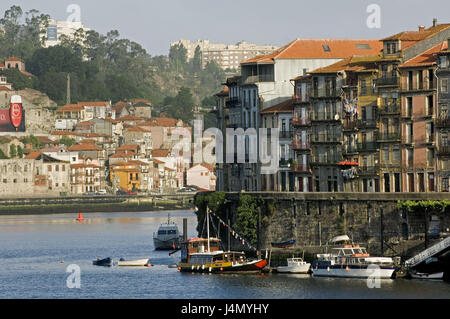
{"x":326,"y":48}
{"x":444,"y":85}
{"x":49,"y":168}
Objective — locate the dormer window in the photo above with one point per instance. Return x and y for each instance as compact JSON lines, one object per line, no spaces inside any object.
{"x":326,"y":48}
{"x":391,"y":47}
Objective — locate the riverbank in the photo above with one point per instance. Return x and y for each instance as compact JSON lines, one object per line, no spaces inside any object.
{"x":125,"y":206}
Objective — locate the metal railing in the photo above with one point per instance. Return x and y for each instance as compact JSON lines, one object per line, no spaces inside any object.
{"x":300,"y":121}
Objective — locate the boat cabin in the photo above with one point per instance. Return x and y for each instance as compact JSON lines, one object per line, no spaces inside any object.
{"x":198,"y":245}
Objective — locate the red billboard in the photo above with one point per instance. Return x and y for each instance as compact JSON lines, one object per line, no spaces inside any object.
{"x":13,"y":119}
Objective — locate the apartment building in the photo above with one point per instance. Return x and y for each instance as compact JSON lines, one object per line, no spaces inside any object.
{"x":443,"y":119}
{"x":227,"y":56}
{"x":56,"y":29}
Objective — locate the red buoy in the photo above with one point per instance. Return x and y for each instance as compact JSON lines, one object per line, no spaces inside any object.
{"x":80,"y":217}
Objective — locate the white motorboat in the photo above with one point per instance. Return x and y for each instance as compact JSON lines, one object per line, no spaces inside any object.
{"x":422,"y":275}
{"x":295,"y":266}
{"x":133,"y":263}
{"x":352,"y":261}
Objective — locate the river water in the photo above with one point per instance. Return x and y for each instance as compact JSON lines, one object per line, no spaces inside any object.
{"x":36,"y":251}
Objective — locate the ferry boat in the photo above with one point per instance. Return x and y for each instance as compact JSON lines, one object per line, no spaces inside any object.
{"x":204,"y":255}
{"x":352,"y":261}
{"x":167,"y":237}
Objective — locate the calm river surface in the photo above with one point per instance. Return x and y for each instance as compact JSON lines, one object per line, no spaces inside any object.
{"x":32,"y":248}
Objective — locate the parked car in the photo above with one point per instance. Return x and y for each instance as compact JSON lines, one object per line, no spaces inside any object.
{"x":101,"y":192}
{"x":90,"y":193}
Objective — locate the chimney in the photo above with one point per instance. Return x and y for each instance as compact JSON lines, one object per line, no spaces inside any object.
{"x":421,"y":28}
{"x":434,"y":22}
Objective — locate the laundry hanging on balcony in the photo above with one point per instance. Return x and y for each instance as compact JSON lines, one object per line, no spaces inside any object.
{"x":351,"y":107}
{"x":349,"y":173}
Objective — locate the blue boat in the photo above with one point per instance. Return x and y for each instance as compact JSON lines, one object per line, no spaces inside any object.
{"x":284,"y":244}
{"x":106,"y":262}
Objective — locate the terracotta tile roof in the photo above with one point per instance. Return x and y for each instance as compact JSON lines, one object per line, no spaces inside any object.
{"x":94,"y":103}
{"x":224,"y":92}
{"x":70,"y":107}
{"x":208,"y":166}
{"x":157,"y":161}
{"x":108,"y":119}
{"x":59,"y":133}
{"x":85,"y":147}
{"x":4,"y":88}
{"x":283,"y":107}
{"x":88,"y":141}
{"x":160,"y":121}
{"x":92,"y":135}
{"x":426,"y":58}
{"x":160,"y":153}
{"x":130,"y":118}
{"x":316,"y":49}
{"x":410,"y":38}
{"x":121,"y":155}
{"x":133,"y":147}
{"x":2,"y":66}
{"x":46,"y":140}
{"x":138,"y":129}
{"x":169,"y":169}
{"x":14,"y":58}
{"x":33,"y":155}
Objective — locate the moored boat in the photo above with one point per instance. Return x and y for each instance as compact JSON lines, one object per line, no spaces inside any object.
{"x":295,"y":266}
{"x":352,"y":261}
{"x":283,"y":244}
{"x":167,"y":237}
{"x":106,"y":262}
{"x":203,"y":255}
{"x":133,"y":263}
{"x":423,"y":275}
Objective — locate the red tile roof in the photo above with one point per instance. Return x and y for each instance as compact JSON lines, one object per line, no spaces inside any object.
{"x":94,"y":103}
{"x":426,"y":58}
{"x":85,"y":147}
{"x":33,"y":155}
{"x":130,"y":118}
{"x":315,"y":49}
{"x":133,"y":147}
{"x":283,"y":107}
{"x":160,"y":153}
{"x":121,"y":155}
{"x":70,"y":107}
{"x":410,"y":38}
{"x":14,"y":58}
{"x":4,"y":88}
{"x":138,"y":129}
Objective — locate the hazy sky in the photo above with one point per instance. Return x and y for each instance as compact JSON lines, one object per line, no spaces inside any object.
{"x":154,"y":24}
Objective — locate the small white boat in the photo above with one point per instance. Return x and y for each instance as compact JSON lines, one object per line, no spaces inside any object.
{"x":422,"y":275}
{"x":295,"y":266}
{"x":133,"y":263}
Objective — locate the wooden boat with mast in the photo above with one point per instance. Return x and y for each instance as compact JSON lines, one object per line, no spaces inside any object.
{"x":204,"y":255}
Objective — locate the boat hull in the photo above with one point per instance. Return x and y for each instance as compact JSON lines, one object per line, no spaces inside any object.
{"x":226,"y":267}
{"x":168,"y":244}
{"x":284,"y":244}
{"x":354,"y":272}
{"x":302,"y":269}
{"x":133,"y":263}
{"x":419,"y":275}
{"x":107,"y":262}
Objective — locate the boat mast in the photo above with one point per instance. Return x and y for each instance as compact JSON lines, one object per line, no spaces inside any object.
{"x":207,"y":225}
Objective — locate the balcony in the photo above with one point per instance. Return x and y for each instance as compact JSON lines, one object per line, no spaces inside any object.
{"x":350,"y":149}
{"x":300,"y":98}
{"x":388,"y":81}
{"x":299,"y":121}
{"x":324,"y":92}
{"x":390,"y":109}
{"x":443,"y":122}
{"x":368,"y":170}
{"x":300,"y":145}
{"x":325,"y":139}
{"x":232,"y":102}
{"x":366,"y":123}
{"x":348,"y":125}
{"x":389,"y":137}
{"x":283,"y":163}
{"x":367,"y":146}
{"x":258,"y":78}
{"x":286,"y":134}
{"x":443,"y":149}
{"x":324,"y":117}
{"x":301,"y":168}
{"x":422,"y":86}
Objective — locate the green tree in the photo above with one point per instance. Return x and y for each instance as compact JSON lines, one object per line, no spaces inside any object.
{"x":181,"y":106}
{"x":12,"y":151}
{"x":197,"y":60}
{"x":67,"y":141}
{"x":19,"y":151}
{"x":178,"y":57}
{"x":18,"y":80}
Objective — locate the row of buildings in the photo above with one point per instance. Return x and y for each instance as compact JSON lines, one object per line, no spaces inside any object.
{"x":354,"y":115}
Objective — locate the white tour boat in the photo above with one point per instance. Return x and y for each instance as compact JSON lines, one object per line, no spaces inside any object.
{"x":352,"y":261}
{"x":134,"y":263}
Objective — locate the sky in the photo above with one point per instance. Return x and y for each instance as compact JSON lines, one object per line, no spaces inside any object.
{"x":155,"y":24}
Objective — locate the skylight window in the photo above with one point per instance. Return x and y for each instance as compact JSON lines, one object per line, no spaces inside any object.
{"x":326,"y":48}
{"x":363,"y":46}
